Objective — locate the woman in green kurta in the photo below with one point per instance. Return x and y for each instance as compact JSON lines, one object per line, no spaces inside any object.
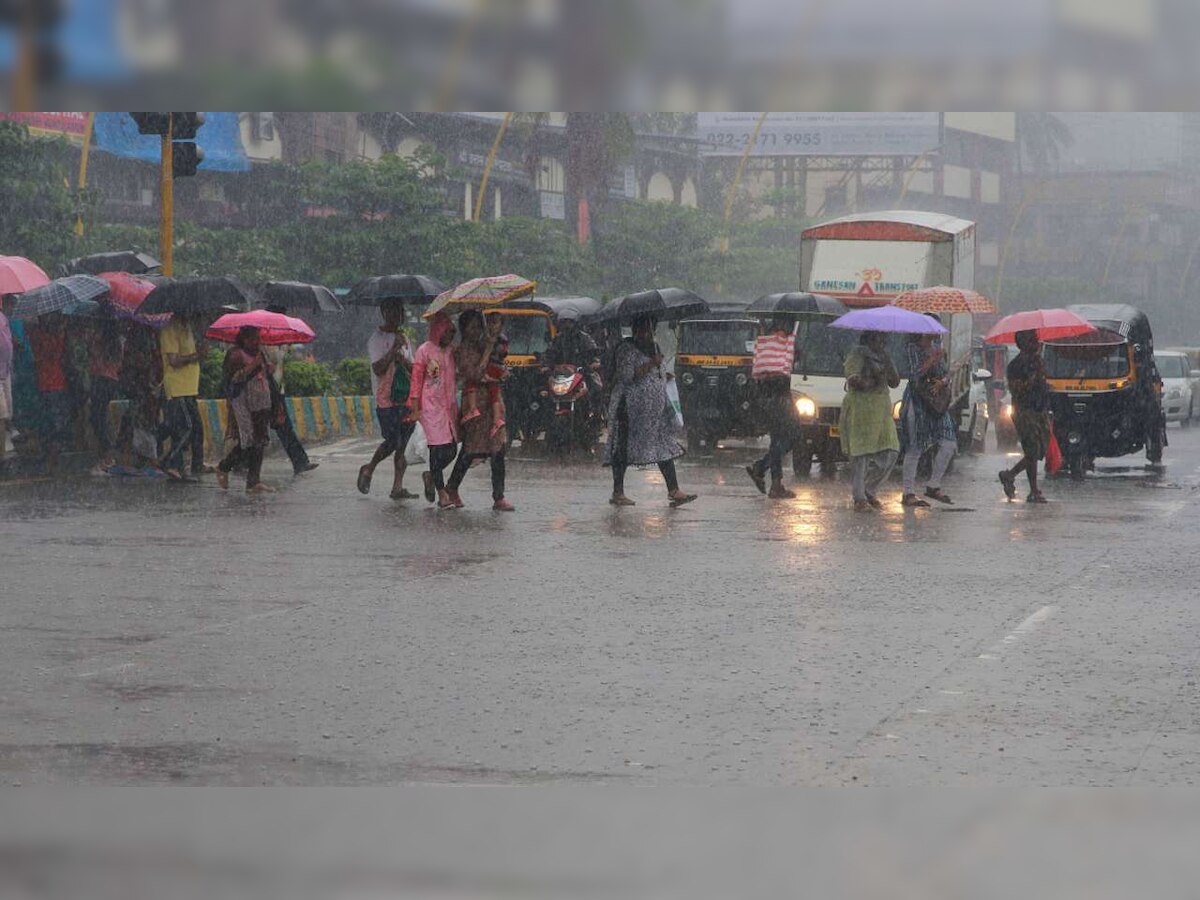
{"x":868,"y":432}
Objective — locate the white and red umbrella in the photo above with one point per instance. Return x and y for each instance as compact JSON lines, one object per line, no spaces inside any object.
{"x":1050,"y":325}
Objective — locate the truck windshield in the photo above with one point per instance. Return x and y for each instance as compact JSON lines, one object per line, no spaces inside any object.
{"x":821,"y":350}
{"x":527,"y":335}
{"x":1086,"y":360}
{"x":718,"y":338}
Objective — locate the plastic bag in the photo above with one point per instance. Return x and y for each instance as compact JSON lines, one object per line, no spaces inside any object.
{"x":417,"y":451}
{"x":144,"y":444}
{"x":1054,"y":459}
{"x":673,"y":401}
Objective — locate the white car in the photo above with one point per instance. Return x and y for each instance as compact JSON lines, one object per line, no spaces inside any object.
{"x":1181,"y":387}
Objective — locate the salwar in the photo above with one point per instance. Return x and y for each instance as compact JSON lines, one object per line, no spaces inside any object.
{"x":667,"y":468}
{"x":252,"y":457}
{"x":863,"y":486}
{"x":941,"y":462}
{"x":440,"y":456}
{"x":464,"y":463}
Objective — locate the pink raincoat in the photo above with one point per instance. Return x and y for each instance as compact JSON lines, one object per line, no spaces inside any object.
{"x":434,"y":386}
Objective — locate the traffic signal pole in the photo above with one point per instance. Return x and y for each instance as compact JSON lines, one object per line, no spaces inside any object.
{"x":166,"y":236}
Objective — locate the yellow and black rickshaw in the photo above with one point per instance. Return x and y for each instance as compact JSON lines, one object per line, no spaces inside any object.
{"x":529,"y":325}
{"x":1106,"y":394}
{"x":713,"y":361}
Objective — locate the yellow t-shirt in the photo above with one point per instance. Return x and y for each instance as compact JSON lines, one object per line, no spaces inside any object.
{"x":178,"y":339}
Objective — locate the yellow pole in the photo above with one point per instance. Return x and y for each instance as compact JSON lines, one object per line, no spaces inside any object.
{"x":1030,"y":192}
{"x":83,"y":165}
{"x":166,"y":236}
{"x":737,"y":180}
{"x":487,"y":166}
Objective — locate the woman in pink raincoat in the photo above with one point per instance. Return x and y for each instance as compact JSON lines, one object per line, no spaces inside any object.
{"x":433,"y":399}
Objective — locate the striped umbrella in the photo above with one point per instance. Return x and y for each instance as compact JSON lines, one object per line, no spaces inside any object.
{"x":947,"y":300}
{"x":18,"y":275}
{"x":58,"y":295}
{"x":125,"y":295}
{"x":480,"y":293}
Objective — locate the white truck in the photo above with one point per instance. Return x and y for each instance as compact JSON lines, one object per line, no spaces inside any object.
{"x":868,"y":260}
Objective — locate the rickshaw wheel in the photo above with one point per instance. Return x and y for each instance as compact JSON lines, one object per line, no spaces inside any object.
{"x":802,"y":463}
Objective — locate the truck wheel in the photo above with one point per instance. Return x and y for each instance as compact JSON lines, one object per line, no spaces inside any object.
{"x":802,"y":463}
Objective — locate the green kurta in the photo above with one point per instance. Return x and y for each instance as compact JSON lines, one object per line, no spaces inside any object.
{"x":866,"y":424}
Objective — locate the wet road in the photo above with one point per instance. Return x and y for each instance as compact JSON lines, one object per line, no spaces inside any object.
{"x":156,"y":633}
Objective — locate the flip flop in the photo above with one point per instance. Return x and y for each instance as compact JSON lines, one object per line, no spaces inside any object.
{"x":677,"y":502}
{"x":364,"y":481}
{"x":621,"y":501}
{"x":404,"y":494}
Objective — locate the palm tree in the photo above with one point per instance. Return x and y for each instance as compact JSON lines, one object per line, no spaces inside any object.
{"x":1041,"y":137}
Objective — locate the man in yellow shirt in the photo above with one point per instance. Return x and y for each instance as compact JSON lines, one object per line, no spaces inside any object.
{"x":181,"y":356}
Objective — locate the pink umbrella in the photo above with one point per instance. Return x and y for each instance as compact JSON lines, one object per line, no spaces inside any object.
{"x":1050,"y":324}
{"x":125,"y":295}
{"x":276,"y":328}
{"x":18,"y":275}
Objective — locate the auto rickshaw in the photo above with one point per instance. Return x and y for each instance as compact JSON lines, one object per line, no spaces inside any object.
{"x":713,"y":361}
{"x":1106,"y":394}
{"x":529,"y":325}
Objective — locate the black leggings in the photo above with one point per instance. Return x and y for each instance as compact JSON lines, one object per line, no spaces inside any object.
{"x":668,"y":472}
{"x":440,"y":456}
{"x":464,"y":462}
{"x":251,"y":456}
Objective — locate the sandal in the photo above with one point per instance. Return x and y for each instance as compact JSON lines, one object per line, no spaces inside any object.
{"x":863,"y":506}
{"x":914,"y":501}
{"x":875,"y":502}
{"x":404,"y":494}
{"x":759,"y":481}
{"x":1038,"y":497}
{"x":939,"y":495}
{"x":621,"y":501}
{"x":779,"y":492}
{"x":364,"y":481}
{"x":682,"y":499}
{"x":455,"y":499}
{"x":1010,"y":485}
{"x":444,"y":501}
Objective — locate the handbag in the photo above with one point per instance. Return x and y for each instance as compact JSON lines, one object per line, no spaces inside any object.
{"x":1054,"y":459}
{"x":934,"y":393}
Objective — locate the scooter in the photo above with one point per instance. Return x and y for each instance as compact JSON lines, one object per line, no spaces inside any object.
{"x":574,"y":414}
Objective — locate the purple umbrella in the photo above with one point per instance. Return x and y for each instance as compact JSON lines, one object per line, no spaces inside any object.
{"x":888,"y":318}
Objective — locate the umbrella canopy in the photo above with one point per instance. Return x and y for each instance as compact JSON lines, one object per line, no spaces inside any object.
{"x":18,"y":275}
{"x":795,"y":304}
{"x":182,"y":296}
{"x":298,"y":295}
{"x":400,"y":288}
{"x":84,"y":309}
{"x":122,"y":261}
{"x":890,"y":319}
{"x":945,"y":300}
{"x":1050,"y":324}
{"x":125,"y":296}
{"x":663,"y":304}
{"x":481,"y":293}
{"x":276,"y":328}
{"x":57,"y":295}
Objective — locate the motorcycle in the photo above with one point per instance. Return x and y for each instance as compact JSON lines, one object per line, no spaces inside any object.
{"x":573,"y":394}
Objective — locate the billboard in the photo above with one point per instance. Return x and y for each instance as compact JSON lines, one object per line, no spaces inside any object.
{"x":819,"y":134}
{"x":71,"y":125}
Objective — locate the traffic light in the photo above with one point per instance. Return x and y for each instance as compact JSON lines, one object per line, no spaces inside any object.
{"x":152,"y":122}
{"x":184,"y":125}
{"x":185,"y":158}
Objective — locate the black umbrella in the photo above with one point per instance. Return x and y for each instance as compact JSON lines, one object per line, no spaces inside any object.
{"x":298,"y":295}
{"x":122,"y":261}
{"x":795,"y":303}
{"x":401,"y":288}
{"x":194,"y":295}
{"x":665,"y":305}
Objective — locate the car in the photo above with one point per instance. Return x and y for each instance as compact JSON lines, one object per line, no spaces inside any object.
{"x":1181,"y":387}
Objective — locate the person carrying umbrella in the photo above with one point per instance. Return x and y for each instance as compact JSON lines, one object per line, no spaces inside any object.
{"x":6,"y":397}
{"x":181,"y":358}
{"x":1026,"y":376}
{"x":248,"y":392}
{"x":868,"y":433}
{"x":774,"y":354}
{"x":641,"y":421}
{"x":281,"y":422}
{"x":925,"y":420}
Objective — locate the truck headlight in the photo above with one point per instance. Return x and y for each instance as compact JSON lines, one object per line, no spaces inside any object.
{"x":688,"y":378}
{"x":806,"y":407}
{"x":1007,"y":411}
{"x":896,"y":410}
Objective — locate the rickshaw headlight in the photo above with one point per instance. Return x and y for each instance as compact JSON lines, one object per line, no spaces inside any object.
{"x":740,"y":379}
{"x":688,"y":378}
{"x":806,"y":407}
{"x":896,"y":410}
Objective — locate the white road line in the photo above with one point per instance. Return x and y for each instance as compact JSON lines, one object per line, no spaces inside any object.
{"x":1030,"y":623}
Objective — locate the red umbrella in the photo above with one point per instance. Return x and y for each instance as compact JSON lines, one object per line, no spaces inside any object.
{"x":1050,"y":324}
{"x":125,"y":295}
{"x":276,"y":328}
{"x":18,"y":275}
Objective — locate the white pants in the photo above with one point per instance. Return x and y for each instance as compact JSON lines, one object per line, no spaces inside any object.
{"x":941,"y":462}
{"x":864,"y":487}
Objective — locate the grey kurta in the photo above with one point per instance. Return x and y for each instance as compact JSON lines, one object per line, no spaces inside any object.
{"x":649,"y":419}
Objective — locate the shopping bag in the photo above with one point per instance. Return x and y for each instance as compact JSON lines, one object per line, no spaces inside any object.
{"x":144,"y":444}
{"x":417,"y":451}
{"x":1054,"y":458}
{"x":673,"y":402}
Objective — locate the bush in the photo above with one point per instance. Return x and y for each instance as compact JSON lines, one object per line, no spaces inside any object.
{"x":307,"y":379}
{"x":353,"y":376}
{"x":212,"y":376}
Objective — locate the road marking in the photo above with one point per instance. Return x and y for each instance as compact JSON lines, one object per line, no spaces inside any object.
{"x":1030,"y":623}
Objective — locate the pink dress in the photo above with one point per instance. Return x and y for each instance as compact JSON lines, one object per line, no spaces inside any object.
{"x":435,"y":389}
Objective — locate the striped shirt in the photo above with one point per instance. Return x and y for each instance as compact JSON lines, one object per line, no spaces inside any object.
{"x":774,"y":355}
